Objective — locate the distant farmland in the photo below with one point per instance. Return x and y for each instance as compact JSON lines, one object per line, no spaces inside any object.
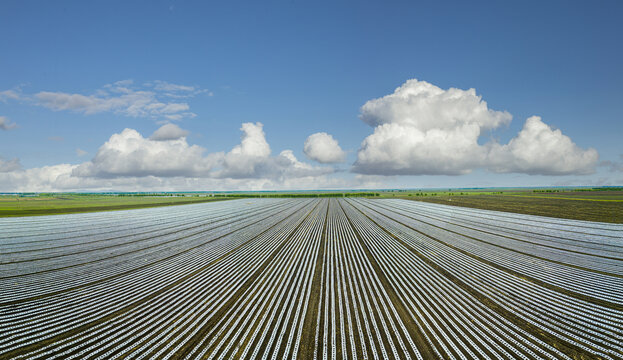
{"x":310,"y":279}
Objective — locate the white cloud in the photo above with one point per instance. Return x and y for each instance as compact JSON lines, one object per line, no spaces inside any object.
{"x":613,"y":166}
{"x":130,"y":162}
{"x":539,"y":149}
{"x":9,"y":95}
{"x":130,"y":154}
{"x":323,"y":148}
{"x":9,"y":165}
{"x":179,"y":91}
{"x":169,"y":132}
{"x":426,"y":107}
{"x":60,"y":178}
{"x":80,"y":152}
{"x":251,"y":159}
{"x":396,"y":149}
{"x":5,"y":124}
{"x":246,"y":159}
{"x":47,"y":178}
{"x":123,"y":98}
{"x":421,"y":129}
{"x":165,"y":86}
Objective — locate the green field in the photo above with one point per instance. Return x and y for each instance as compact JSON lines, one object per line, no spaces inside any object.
{"x":49,"y":204}
{"x":584,"y":204}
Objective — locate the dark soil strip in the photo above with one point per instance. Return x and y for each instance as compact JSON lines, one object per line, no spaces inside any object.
{"x":410,"y":323}
{"x":560,"y":344}
{"x":308,"y":335}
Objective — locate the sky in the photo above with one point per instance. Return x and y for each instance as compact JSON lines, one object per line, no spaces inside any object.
{"x":182,"y":95}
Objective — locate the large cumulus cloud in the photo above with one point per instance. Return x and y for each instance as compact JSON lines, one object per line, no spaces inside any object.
{"x":421,"y":129}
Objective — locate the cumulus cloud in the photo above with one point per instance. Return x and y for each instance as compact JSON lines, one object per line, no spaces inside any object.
{"x":167,"y":154}
{"x":9,"y":165}
{"x":421,"y":129}
{"x":323,"y":148}
{"x":130,"y":154}
{"x":395,"y":149}
{"x":169,"y":132}
{"x":5,"y":124}
{"x":122,"y":97}
{"x":251,"y":159}
{"x":129,"y":162}
{"x":247,"y":159}
{"x":426,"y":107}
{"x":539,"y":149}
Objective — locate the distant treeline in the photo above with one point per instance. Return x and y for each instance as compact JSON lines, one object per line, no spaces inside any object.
{"x":321,"y":195}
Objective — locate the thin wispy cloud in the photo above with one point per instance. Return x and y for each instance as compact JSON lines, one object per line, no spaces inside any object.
{"x":5,"y":124}
{"x":9,"y":165}
{"x":9,"y":95}
{"x":157,"y":100}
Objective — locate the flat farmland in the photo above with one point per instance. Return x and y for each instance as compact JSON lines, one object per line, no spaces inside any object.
{"x":310,"y":279}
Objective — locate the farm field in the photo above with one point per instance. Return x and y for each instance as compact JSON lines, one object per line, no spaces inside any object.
{"x":310,"y":278}
{"x":602,"y":206}
{"x":49,"y":204}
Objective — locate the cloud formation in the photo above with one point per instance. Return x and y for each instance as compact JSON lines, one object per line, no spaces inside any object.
{"x":5,"y":124}
{"x":130,"y":154}
{"x":9,"y":165}
{"x":129,"y":161}
{"x":9,"y":95}
{"x":122,"y":97}
{"x":421,"y":129}
{"x":169,"y":132}
{"x":251,"y":159}
{"x":323,"y":148}
{"x":613,"y":166}
{"x":539,"y":149}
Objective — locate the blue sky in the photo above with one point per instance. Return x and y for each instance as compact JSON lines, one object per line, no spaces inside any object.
{"x":300,"y":68}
